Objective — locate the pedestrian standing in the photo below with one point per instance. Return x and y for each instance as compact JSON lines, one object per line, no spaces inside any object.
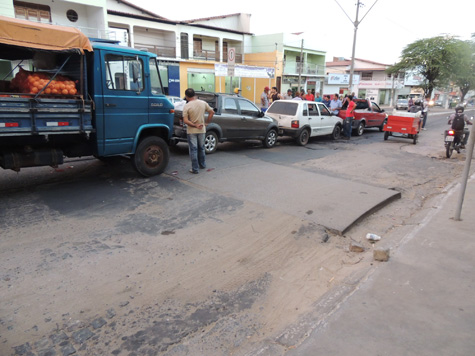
{"x":318,"y":99}
{"x":288,"y":96}
{"x":326,"y":100}
{"x":309,"y":95}
{"x":265,"y":99}
{"x":275,"y":95}
{"x":194,"y":118}
{"x":335,"y":105}
{"x":349,"y":117}
{"x":425,"y":111}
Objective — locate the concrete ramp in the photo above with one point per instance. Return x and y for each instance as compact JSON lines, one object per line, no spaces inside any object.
{"x":334,"y":203}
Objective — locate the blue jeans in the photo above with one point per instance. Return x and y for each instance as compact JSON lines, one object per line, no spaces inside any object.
{"x":347,"y":126}
{"x":196,"y":147}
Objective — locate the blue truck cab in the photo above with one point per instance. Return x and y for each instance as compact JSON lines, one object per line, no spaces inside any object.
{"x":119,"y":108}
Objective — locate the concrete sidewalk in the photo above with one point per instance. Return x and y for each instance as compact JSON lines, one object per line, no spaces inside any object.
{"x":421,"y":302}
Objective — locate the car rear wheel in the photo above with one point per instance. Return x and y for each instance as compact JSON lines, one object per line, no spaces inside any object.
{"x":360,"y":129}
{"x":386,"y":135}
{"x":211,"y":142}
{"x":336,"y":134}
{"x":303,"y":137}
{"x":271,"y":139}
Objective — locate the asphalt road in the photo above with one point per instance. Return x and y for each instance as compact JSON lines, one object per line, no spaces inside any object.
{"x":98,"y":260}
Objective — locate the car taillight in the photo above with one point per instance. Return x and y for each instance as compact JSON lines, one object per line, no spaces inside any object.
{"x":295,"y":124}
{"x":451,"y":133}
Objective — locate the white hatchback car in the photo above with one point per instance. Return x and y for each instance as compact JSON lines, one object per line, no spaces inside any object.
{"x":304,"y":119}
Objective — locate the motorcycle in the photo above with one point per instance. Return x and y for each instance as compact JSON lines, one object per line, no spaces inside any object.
{"x":453,"y":141}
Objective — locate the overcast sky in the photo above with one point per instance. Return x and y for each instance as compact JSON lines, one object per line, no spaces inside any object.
{"x":387,"y":28}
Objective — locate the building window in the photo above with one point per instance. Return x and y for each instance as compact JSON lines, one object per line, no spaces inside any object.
{"x":72,"y":15}
{"x":32,"y":12}
{"x":367,"y":76}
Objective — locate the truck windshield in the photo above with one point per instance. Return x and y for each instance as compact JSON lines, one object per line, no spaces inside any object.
{"x":157,"y":87}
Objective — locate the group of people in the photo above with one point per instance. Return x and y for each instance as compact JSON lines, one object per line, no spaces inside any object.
{"x":269,"y":95}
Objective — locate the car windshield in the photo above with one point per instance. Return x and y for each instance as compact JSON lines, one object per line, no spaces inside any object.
{"x":402,"y":101}
{"x":283,"y":108}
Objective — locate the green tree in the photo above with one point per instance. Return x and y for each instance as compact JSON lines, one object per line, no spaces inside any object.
{"x":463,"y":67}
{"x":429,"y":57}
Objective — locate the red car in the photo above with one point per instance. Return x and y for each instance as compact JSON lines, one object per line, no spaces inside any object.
{"x":366,"y":116}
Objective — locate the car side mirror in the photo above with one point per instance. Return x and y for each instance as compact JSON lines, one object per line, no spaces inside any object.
{"x":382,"y":110}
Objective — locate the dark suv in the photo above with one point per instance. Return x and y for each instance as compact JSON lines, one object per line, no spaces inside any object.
{"x":235,"y":119}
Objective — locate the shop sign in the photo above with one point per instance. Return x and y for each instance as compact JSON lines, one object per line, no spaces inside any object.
{"x":342,"y":79}
{"x":221,"y":70}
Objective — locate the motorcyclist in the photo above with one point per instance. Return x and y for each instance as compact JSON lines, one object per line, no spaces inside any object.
{"x":460,"y":128}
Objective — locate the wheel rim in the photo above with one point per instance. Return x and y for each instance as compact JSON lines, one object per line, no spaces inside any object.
{"x":360,"y":129}
{"x":152,"y":156}
{"x":271,"y":138}
{"x":210,"y":143}
{"x":336,"y":132}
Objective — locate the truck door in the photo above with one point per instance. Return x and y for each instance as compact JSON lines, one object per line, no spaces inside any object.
{"x":125,"y":101}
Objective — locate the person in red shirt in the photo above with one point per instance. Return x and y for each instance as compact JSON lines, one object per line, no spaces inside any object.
{"x":309,"y":95}
{"x":349,"y":117}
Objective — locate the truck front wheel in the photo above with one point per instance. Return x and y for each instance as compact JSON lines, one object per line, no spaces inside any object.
{"x":151,"y":156}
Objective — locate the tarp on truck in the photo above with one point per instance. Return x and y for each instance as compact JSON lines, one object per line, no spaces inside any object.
{"x":23,"y":33}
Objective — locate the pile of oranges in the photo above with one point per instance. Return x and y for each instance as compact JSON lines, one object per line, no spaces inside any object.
{"x":33,"y":83}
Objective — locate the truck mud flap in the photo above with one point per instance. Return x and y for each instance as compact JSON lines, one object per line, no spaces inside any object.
{"x":17,"y":160}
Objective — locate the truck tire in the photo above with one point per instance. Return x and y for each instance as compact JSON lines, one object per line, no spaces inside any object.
{"x":271,"y":139}
{"x":211,"y":142}
{"x":336,"y":134}
{"x":151,"y":156}
{"x":303,"y":137}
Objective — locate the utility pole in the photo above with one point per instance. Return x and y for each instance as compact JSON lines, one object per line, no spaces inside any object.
{"x":300,"y":66}
{"x":355,"y":24}
{"x":352,"y":66}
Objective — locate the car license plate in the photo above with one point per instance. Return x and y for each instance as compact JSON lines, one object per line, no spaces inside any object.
{"x":449,"y":138}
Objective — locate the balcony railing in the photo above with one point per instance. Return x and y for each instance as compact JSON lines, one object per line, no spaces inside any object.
{"x":160,"y":51}
{"x":292,"y":68}
{"x":214,"y":56}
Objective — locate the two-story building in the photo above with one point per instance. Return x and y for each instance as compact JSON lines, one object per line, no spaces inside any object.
{"x":293,"y":57}
{"x":191,"y":53}
{"x":370,"y":79}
